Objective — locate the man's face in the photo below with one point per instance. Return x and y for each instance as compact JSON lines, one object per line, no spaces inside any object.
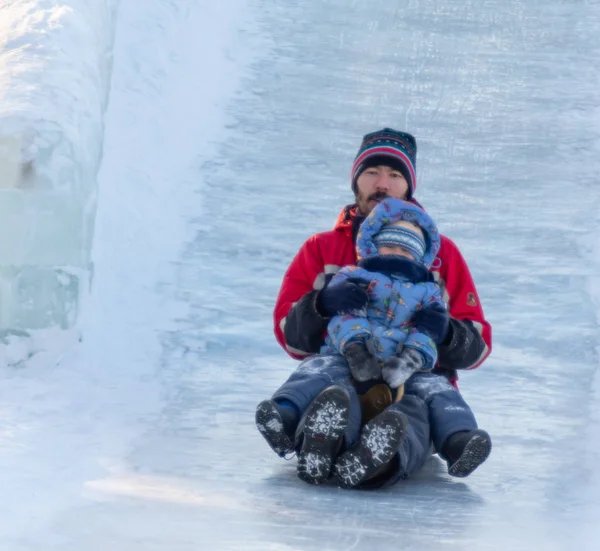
{"x":376,"y":183}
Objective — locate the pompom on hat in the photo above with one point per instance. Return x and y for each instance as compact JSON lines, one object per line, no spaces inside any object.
{"x":391,"y":148}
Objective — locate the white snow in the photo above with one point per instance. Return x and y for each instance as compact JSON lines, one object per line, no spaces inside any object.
{"x":219,"y":136}
{"x":426,"y":385}
{"x":327,"y":420}
{"x":274,"y":425}
{"x":377,"y":440}
{"x":55,"y":60}
{"x":68,"y":423}
{"x":315,"y":464}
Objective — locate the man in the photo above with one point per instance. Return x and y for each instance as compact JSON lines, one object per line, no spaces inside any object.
{"x":384,"y":167}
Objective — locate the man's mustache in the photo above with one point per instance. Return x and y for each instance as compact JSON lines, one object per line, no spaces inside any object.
{"x":378,"y":196}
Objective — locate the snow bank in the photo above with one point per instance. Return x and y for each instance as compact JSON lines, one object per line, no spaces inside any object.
{"x":75,"y":423}
{"x":55,"y":67}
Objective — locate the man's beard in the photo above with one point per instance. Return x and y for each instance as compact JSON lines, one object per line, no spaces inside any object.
{"x":377,"y":196}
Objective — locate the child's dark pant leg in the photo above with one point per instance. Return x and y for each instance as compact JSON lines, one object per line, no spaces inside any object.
{"x":448,"y":411}
{"x":414,"y":449}
{"x":312,"y":377}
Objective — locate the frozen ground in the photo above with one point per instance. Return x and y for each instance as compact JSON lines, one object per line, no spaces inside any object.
{"x":229,"y":137}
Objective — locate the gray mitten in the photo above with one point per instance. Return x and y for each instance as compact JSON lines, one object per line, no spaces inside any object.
{"x":397,"y":369}
{"x":364,"y":365}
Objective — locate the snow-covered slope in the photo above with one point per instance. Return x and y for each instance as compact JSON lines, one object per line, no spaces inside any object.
{"x":228,"y":139}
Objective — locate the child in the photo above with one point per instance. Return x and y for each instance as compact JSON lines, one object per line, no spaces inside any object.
{"x":396,"y":245}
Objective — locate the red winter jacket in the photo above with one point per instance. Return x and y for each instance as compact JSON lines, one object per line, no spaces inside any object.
{"x":300,"y":327}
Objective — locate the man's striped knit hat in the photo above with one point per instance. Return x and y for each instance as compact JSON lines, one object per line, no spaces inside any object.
{"x":391,"y":148}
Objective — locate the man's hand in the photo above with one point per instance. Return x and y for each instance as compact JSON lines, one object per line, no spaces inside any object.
{"x":346,"y":297}
{"x":462,"y":346}
{"x":364,"y":365}
{"x":432,"y":320}
{"x":397,"y":369}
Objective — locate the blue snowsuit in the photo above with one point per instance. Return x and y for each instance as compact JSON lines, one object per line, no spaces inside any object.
{"x":397,"y":287}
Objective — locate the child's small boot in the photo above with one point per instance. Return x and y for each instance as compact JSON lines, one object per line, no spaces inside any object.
{"x":465,"y":451}
{"x":322,"y":431}
{"x":277,"y":422}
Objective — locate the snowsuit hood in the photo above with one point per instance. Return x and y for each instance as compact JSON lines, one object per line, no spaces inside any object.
{"x":391,"y":210}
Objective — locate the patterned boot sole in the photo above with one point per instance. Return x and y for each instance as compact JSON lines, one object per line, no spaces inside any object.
{"x":324,"y":425}
{"x":475,"y":453}
{"x":270,"y":425}
{"x":378,"y":444}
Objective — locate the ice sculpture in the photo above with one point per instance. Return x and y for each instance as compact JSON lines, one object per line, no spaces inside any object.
{"x":54,"y":82}
{"x":45,"y":241}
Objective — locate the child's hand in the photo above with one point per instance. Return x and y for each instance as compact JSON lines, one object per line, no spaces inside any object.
{"x":364,"y":365}
{"x":397,"y":369}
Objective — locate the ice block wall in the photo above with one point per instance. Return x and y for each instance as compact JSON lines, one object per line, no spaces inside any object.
{"x":55,"y":67}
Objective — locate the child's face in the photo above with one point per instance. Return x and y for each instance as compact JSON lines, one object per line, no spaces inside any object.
{"x":397,"y":250}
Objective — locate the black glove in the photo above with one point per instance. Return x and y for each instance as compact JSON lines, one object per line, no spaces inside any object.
{"x":462,"y":346}
{"x":397,"y":369}
{"x":364,"y":365}
{"x":433,"y":320}
{"x":347,"y":297}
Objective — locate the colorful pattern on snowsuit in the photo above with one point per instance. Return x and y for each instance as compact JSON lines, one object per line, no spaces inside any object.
{"x":392,"y":303}
{"x":323,"y":255}
{"x":394,"y":297}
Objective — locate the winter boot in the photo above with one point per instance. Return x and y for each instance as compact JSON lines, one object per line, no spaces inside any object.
{"x":323,"y":427}
{"x":379,"y":441}
{"x":465,"y":451}
{"x":277,"y":424}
